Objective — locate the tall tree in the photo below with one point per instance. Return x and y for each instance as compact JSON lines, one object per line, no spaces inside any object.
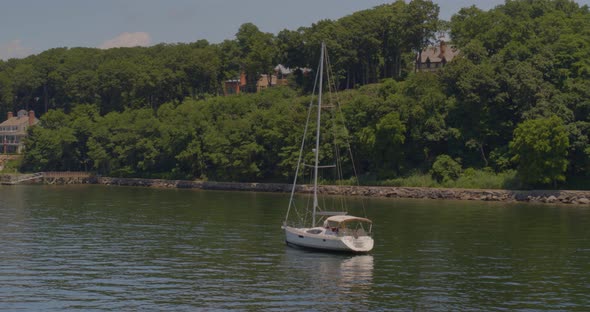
{"x":540,"y":149}
{"x":259,"y":55}
{"x":420,"y":24}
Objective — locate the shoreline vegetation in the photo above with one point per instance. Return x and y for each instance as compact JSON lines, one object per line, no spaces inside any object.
{"x":533,"y":196}
{"x":510,"y":110}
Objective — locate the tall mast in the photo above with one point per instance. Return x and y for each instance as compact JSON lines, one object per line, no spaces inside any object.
{"x":317,"y":139}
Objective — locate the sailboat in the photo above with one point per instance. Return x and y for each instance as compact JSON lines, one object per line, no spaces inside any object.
{"x":327,"y":230}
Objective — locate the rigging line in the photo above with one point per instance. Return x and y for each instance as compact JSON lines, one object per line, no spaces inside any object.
{"x":338,"y":163}
{"x":339,"y":175}
{"x":302,"y":146}
{"x":346,"y":136}
{"x":332,"y":86}
{"x":299,"y":216}
{"x":303,"y":218}
{"x":317,"y":139}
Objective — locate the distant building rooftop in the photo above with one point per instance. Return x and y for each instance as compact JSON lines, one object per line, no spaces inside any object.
{"x":435,"y":57}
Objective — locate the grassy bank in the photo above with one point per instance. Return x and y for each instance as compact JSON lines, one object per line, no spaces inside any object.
{"x":468,"y":179}
{"x":474,"y":179}
{"x":9,"y":165}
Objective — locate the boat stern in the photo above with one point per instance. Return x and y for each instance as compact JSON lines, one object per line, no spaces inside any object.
{"x":359,"y":244}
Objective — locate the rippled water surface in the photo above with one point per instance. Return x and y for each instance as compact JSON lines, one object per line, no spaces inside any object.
{"x":96,"y":248}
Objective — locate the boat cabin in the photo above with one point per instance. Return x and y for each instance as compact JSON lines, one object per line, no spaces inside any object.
{"x":348,"y":225}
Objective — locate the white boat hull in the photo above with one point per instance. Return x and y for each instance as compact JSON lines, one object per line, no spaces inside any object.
{"x":340,"y":231}
{"x":327,"y":241}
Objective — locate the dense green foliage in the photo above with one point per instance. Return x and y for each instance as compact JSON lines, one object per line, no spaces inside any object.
{"x":236,"y":138}
{"x":540,"y":150}
{"x":522,"y":76}
{"x":445,"y":169}
{"x":364,"y":47}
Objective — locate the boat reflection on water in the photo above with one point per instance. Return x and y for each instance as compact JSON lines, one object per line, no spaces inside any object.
{"x":341,"y":278}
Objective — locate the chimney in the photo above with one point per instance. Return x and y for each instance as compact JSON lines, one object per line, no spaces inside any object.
{"x":31,"y":117}
{"x":10,"y":115}
{"x":242,"y":79}
{"x":443,"y":48}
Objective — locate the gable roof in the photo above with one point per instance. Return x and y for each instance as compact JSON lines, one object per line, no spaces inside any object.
{"x":437,"y":54}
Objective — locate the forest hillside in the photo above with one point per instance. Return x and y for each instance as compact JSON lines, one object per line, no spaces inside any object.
{"x":511,"y":110}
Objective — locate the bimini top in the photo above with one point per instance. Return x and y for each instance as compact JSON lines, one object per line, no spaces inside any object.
{"x":343,"y":219}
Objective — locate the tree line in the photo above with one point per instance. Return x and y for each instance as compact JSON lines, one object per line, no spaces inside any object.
{"x":516,"y":98}
{"x":365,"y":47}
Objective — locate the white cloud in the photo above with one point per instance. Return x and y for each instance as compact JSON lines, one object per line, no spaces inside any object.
{"x":127,"y":39}
{"x":14,"y":49}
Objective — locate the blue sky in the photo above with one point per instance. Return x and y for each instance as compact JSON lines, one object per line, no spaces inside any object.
{"x":32,"y":26}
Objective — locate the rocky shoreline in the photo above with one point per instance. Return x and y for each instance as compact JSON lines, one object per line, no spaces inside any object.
{"x":536,"y":196}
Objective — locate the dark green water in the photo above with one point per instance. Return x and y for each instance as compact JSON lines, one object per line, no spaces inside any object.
{"x":96,"y":248}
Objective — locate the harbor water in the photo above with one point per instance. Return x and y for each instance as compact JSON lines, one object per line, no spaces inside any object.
{"x":101,"y":248}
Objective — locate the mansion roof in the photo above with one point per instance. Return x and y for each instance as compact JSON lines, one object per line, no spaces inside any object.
{"x":18,"y":122}
{"x":438,"y":54}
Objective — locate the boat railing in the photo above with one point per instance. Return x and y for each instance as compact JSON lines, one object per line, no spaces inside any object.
{"x":353,"y":232}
